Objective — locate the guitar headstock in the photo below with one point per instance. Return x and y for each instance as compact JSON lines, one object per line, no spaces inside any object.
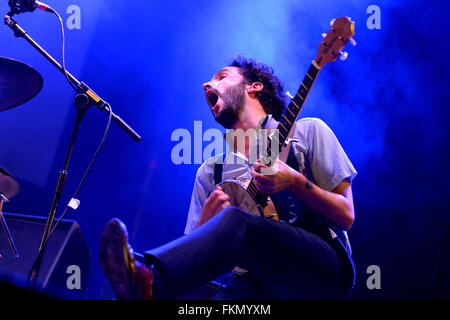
{"x":342,"y":30}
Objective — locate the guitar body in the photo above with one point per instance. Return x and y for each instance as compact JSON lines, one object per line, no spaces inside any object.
{"x":239,"y":197}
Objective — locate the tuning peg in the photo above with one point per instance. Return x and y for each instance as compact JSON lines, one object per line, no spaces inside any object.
{"x":353,"y":42}
{"x":344,"y":55}
{"x":331,"y":22}
{"x":324,"y":35}
{"x":289,"y":95}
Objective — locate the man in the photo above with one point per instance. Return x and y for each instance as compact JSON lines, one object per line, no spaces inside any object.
{"x":290,"y":259}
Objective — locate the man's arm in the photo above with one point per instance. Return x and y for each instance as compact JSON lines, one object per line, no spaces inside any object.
{"x":336,"y":206}
{"x":217,"y":201}
{"x":205,"y":203}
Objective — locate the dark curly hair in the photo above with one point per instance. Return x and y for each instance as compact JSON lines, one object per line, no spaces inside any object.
{"x":272,"y":96}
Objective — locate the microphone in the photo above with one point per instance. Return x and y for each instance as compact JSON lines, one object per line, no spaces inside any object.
{"x":19,"y":6}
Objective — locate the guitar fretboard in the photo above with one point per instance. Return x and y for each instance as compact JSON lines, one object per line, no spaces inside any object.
{"x":284,"y":127}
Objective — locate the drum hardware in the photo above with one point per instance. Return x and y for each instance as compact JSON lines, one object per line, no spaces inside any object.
{"x":8,"y":189}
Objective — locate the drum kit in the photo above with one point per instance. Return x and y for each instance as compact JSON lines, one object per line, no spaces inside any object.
{"x":18,"y":84}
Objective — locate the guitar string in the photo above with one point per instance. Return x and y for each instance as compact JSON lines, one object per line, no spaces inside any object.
{"x":252,"y":190}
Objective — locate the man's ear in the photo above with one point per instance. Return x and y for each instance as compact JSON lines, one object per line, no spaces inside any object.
{"x":254,"y":87}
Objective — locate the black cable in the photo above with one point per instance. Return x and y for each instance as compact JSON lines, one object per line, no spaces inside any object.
{"x":85,"y":174}
{"x":223,"y":283}
{"x":38,"y":259}
{"x":63,"y":58}
{"x":101,"y":142}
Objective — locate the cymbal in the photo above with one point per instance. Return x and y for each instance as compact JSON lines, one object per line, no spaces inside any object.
{"x":18,"y":83}
{"x":8,"y":185}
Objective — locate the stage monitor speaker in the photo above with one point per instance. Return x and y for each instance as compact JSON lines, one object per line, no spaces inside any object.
{"x":65,"y":265}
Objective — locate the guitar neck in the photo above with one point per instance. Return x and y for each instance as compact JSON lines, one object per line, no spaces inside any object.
{"x":293,"y":109}
{"x":285,"y":125}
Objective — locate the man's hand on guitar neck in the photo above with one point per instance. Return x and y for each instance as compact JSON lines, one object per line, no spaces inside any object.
{"x":217,"y":201}
{"x":272,"y":179}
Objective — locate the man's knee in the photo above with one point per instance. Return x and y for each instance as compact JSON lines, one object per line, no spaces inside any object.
{"x":233,"y":215}
{"x":231,"y":220}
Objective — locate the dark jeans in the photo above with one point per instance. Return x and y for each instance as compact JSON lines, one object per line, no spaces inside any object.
{"x":284,"y":262}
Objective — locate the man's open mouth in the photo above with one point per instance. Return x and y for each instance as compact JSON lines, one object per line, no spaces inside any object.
{"x":212,"y":98}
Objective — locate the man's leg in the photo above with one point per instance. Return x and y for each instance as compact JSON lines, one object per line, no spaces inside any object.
{"x":290,"y":262}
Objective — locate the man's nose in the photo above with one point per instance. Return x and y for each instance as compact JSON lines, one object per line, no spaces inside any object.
{"x":209,"y":85}
{"x":206,"y":86}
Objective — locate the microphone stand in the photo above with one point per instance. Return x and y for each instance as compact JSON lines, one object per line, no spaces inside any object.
{"x":83,"y":101}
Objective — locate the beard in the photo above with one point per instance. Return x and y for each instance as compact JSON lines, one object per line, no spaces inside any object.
{"x":232,"y":107}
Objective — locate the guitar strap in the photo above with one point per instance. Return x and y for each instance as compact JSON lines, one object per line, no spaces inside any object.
{"x":218,"y":171}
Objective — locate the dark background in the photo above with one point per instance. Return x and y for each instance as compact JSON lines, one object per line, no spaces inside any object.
{"x":387,"y":104}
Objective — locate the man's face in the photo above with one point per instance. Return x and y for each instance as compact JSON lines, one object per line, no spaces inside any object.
{"x":225,"y":94}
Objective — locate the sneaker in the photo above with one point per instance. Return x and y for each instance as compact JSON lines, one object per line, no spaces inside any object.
{"x":129,"y":278}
